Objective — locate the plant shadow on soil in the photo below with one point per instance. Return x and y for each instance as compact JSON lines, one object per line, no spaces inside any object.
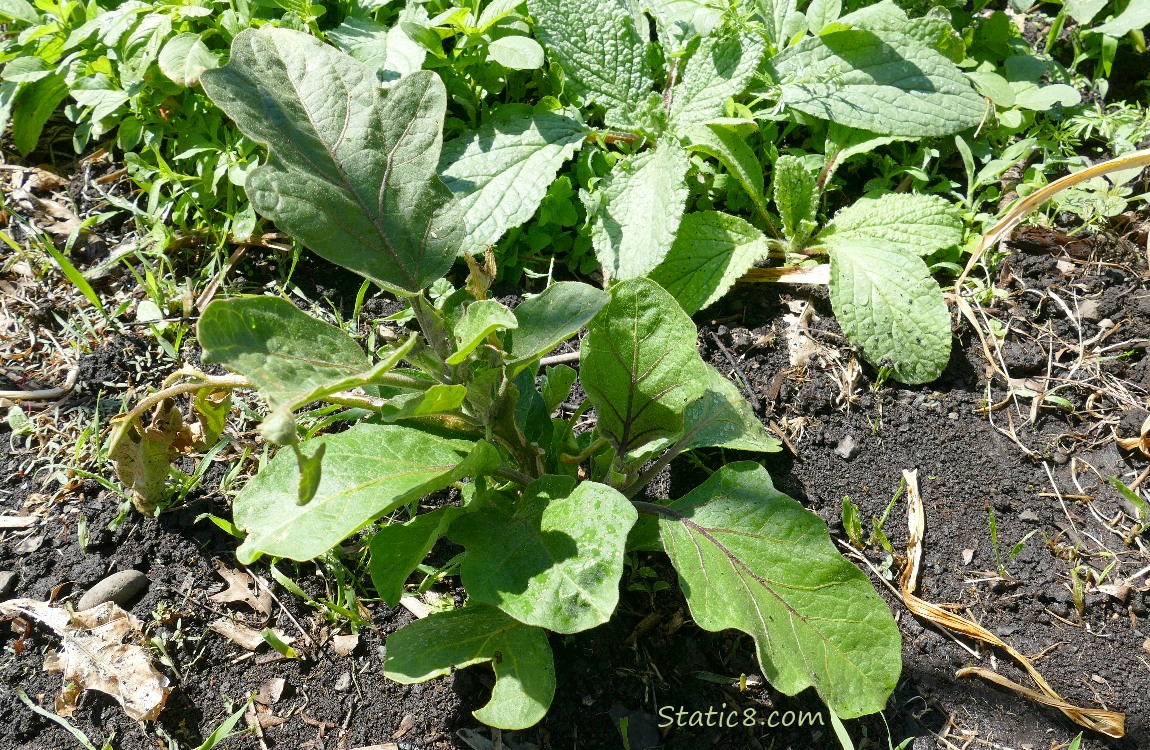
{"x":650,"y":656}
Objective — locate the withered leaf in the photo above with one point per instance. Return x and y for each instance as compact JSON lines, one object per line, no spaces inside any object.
{"x":99,"y":653}
{"x":242,"y":587}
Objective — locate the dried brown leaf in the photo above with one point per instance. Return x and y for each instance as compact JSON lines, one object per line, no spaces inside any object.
{"x":98,"y":654}
{"x":345,"y":644}
{"x":242,"y":587}
{"x":238,"y":633}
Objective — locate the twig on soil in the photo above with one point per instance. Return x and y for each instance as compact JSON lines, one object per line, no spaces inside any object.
{"x":746,"y":382}
{"x":46,"y":394}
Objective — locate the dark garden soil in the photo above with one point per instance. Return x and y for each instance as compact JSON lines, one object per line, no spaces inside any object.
{"x":1030,"y":435}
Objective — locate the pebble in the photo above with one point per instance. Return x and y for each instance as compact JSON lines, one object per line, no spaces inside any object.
{"x":847,"y":447}
{"x":120,"y":588}
{"x":343,"y":684}
{"x":7,"y":582}
{"x":1028,"y":515}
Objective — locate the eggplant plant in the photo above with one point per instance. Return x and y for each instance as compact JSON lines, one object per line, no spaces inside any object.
{"x":545,"y":512}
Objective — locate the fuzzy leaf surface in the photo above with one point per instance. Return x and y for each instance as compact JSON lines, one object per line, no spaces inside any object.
{"x":600,"y":51}
{"x":556,"y":560}
{"x":732,"y":151}
{"x":753,"y":559}
{"x":889,"y":306}
{"x":639,"y":365}
{"x":500,"y":173}
{"x":711,"y":252}
{"x":520,"y":654}
{"x":881,"y":81}
{"x":917,"y":224}
{"x":721,"y":68}
{"x":368,"y":471}
{"x":636,"y":213}
{"x":796,"y":197}
{"x":351,"y":175}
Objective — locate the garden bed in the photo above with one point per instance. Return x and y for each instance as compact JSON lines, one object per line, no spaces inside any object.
{"x":1073,"y":331}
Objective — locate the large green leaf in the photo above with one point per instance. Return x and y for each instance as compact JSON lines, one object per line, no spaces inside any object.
{"x":711,"y":252}
{"x":636,"y":212}
{"x":882,"y":81}
{"x":520,"y":655}
{"x":553,"y":316}
{"x":753,"y":559}
{"x":639,"y":365}
{"x":1135,"y":17}
{"x":368,"y":471}
{"x":781,"y":21}
{"x":721,"y":67}
{"x":290,"y":356}
{"x":600,"y":51}
{"x":398,"y":548}
{"x":19,"y":10}
{"x":918,"y":224}
{"x":722,"y":418}
{"x":501,"y":172}
{"x":889,"y":306}
{"x":556,"y":561}
{"x":349,"y":174}
{"x":185,"y":57}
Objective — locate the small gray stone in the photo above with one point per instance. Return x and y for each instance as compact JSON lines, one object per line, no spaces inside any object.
{"x":1028,"y":515}
{"x":847,"y":447}
{"x":343,"y":684}
{"x":120,"y":588}
{"x":7,"y":582}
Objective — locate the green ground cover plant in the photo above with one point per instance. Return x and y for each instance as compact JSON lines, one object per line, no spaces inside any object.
{"x":545,"y":513}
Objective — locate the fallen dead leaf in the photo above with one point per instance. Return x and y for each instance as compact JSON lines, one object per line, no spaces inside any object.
{"x":238,"y":633}
{"x":405,"y":725}
{"x":1141,"y":443}
{"x":96,"y":656}
{"x":271,"y":691}
{"x":345,"y":644}
{"x":1109,"y":723}
{"x":240,"y":589}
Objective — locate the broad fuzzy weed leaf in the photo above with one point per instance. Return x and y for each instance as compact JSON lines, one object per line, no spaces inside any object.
{"x":18,"y":10}
{"x":891,"y":308}
{"x":882,"y":81}
{"x":34,"y":104}
{"x":796,"y":197}
{"x":601,"y":52}
{"x":520,"y":654}
{"x":556,"y":560}
{"x":636,"y":212}
{"x":368,"y":471}
{"x":639,"y":365}
{"x":917,"y":224}
{"x":392,"y":53}
{"x":711,"y":252}
{"x":753,"y":559}
{"x":551,"y":317}
{"x":720,"y":68}
{"x":732,"y":151}
{"x":781,"y":21}
{"x":185,"y":57}
{"x":350,"y":174}
{"x":501,"y":172}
